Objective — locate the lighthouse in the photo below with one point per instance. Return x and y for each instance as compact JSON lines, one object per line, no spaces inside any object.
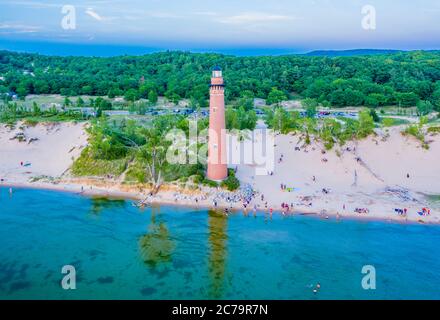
{"x":217,"y":168}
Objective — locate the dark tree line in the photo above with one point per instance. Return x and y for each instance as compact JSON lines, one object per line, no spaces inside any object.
{"x":401,"y":79}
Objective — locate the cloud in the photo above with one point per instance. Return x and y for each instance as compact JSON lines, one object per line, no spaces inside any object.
{"x":18,"y":28}
{"x":254,"y":17}
{"x":93,"y":14}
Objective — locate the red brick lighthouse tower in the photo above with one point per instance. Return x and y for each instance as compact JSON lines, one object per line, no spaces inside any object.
{"x":217,"y":167}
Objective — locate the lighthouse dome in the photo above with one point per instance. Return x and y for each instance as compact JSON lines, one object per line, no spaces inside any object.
{"x":217,"y":72}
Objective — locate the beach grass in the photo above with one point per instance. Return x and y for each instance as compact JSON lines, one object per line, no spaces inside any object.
{"x":88,"y":166}
{"x":393,"y":121}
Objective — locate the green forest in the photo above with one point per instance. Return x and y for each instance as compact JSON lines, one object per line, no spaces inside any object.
{"x":403,"y":79}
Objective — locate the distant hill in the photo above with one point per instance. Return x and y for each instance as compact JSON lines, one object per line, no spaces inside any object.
{"x":354,"y":52}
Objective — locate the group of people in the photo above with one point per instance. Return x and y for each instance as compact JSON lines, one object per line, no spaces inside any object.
{"x":425,"y":212}
{"x":401,"y":212}
{"x":281,"y":158}
{"x":285,"y":208}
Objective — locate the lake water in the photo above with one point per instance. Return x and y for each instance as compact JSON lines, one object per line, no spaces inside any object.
{"x":122,"y":252}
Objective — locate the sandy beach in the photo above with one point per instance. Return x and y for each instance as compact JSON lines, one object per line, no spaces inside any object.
{"x":380,"y":174}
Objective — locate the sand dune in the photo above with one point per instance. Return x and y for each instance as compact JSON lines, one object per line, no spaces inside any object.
{"x":48,"y":150}
{"x":371,"y":173}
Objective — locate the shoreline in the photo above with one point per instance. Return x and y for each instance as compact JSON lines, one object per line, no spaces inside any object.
{"x":96,"y":191}
{"x":359,"y":180}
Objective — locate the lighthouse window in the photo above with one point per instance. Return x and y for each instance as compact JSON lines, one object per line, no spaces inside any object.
{"x":214,"y":109}
{"x":215,"y":146}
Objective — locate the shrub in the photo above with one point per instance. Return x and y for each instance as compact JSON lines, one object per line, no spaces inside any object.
{"x":231,"y":183}
{"x":30,"y":122}
{"x":210,"y":183}
{"x":434,"y":130}
{"x":388,"y":122}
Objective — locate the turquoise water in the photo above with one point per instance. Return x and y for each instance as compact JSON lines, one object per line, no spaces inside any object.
{"x":122,"y":252}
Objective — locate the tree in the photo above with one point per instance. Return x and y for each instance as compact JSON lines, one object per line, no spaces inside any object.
{"x":240,"y":119}
{"x":354,"y":97}
{"x":88,"y":90}
{"x":275,"y":96}
{"x":103,"y":104}
{"x":67,"y":102}
{"x":79,"y":102}
{"x":436,"y":98}
{"x":366,"y":124}
{"x":377,"y":80}
{"x":36,"y":111}
{"x":152,"y":97}
{"x":246,"y":100}
{"x":280,"y":120}
{"x":407,"y":99}
{"x":311,"y":106}
{"x":131,"y":95}
{"x":153,"y":153}
{"x":111,"y":94}
{"x":375,"y":100}
{"x":374,"y":115}
{"x":231,"y":119}
{"x":424,"y":108}
{"x":22,"y":92}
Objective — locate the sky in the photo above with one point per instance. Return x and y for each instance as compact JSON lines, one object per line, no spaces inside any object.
{"x":208,"y":25}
